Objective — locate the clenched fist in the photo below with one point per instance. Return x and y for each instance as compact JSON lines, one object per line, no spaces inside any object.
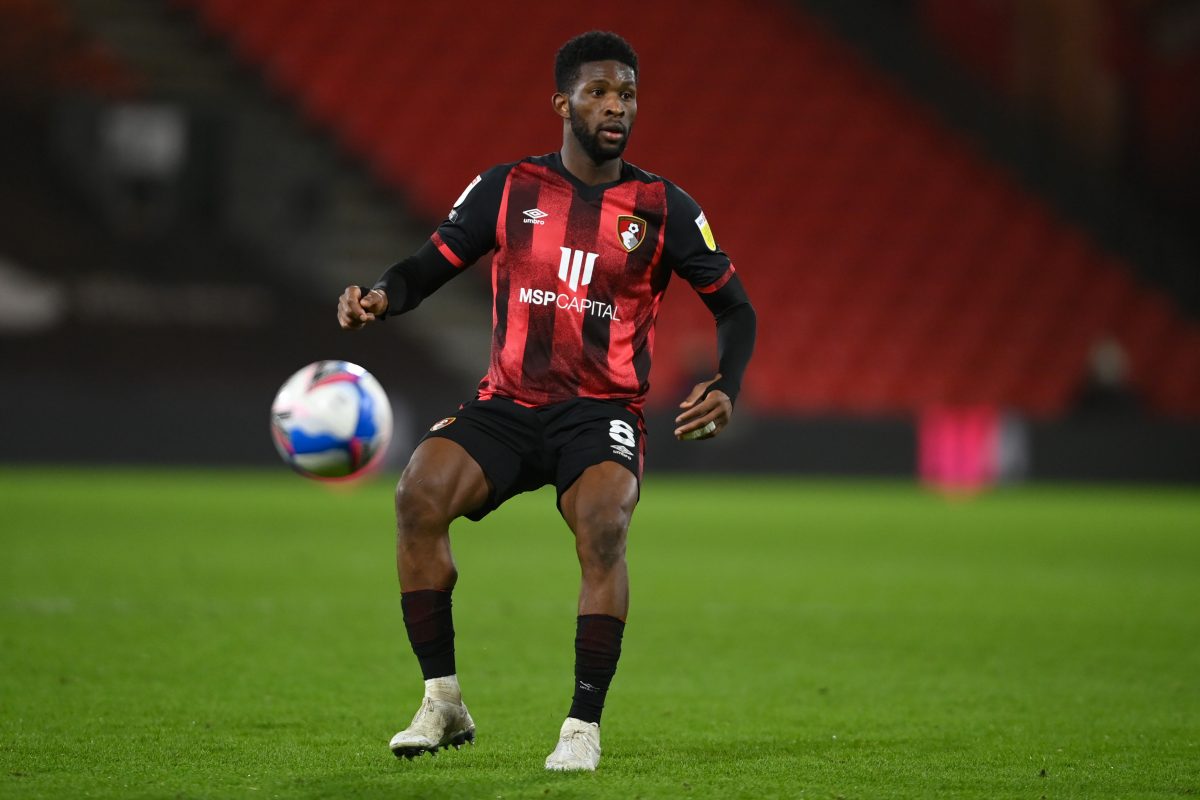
{"x":356,"y":309}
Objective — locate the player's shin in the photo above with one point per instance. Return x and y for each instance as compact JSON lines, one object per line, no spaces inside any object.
{"x":430,"y":625}
{"x":597,"y":650}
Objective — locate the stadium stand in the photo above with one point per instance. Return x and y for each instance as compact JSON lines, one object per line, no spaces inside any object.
{"x":894,"y":266}
{"x":41,"y":49}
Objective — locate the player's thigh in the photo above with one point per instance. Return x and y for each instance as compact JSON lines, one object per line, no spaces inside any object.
{"x":599,"y":450}
{"x":441,"y":480}
{"x":600,"y":503}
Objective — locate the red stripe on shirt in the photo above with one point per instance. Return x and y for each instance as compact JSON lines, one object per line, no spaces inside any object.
{"x":578,"y":234}
{"x":617,"y":374}
{"x":630,"y":336}
{"x":515,"y":268}
{"x":718,"y":283}
{"x":445,"y":250}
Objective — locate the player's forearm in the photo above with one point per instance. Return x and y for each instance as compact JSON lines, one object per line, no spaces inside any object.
{"x":737,"y":329}
{"x":737,"y":326}
{"x":410,"y":281}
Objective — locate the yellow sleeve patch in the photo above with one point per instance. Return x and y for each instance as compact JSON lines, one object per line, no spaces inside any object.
{"x":706,"y":231}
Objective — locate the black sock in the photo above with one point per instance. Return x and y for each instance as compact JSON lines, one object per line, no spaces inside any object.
{"x":430,"y":628}
{"x":597,"y":650}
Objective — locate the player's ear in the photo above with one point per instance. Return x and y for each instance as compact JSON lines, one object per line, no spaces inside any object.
{"x":562,"y":105}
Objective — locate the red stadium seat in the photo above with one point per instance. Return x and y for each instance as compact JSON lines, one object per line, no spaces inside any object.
{"x":42,"y":49}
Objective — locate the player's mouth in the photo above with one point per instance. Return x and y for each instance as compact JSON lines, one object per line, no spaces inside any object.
{"x":612,"y":133}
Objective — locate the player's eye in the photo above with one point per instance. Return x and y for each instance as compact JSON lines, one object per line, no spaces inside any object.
{"x":597,"y":92}
{"x":626,"y":95}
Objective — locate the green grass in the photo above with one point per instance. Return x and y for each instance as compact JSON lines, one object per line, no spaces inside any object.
{"x":214,"y":634}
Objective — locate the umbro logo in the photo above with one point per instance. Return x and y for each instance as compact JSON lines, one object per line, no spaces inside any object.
{"x":622,"y":451}
{"x":535,"y":216}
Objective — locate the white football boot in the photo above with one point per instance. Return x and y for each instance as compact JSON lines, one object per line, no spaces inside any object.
{"x":441,"y":721}
{"x":578,"y":747}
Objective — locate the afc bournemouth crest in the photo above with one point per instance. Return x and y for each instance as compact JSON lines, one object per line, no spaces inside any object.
{"x":631,"y":231}
{"x":441,"y":423}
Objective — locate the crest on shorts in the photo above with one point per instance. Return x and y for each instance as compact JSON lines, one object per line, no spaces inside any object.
{"x":631,"y":232}
{"x":441,"y":423}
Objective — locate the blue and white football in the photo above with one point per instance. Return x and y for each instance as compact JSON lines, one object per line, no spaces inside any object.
{"x":331,"y":420}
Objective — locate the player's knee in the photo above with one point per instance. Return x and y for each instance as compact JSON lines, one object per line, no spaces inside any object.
{"x":419,"y":507}
{"x":601,"y":539}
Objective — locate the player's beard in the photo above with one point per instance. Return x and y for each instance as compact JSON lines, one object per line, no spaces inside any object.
{"x":596,"y":150}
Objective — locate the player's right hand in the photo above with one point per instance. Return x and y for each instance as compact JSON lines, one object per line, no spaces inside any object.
{"x":356,"y":309}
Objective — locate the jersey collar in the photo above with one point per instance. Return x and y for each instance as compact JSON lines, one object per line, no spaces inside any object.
{"x":587,"y":190}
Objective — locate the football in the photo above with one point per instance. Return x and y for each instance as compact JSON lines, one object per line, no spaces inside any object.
{"x":331,"y":420}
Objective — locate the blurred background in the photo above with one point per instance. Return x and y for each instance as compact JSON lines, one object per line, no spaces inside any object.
{"x":970,"y":227}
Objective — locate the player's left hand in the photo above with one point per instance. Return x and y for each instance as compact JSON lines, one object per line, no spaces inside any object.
{"x":703,"y":419}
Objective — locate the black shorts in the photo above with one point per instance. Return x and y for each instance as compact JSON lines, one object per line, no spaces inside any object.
{"x":521,"y":449}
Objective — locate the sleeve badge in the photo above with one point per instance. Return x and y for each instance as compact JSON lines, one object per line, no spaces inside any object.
{"x":467,"y":191}
{"x":706,"y":231}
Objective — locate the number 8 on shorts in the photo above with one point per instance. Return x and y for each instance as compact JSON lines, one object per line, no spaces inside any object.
{"x":622,"y":432}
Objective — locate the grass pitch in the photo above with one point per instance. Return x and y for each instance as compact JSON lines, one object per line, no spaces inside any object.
{"x":212,"y":634}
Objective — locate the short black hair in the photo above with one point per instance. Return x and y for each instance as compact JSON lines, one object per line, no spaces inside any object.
{"x":590,"y":46}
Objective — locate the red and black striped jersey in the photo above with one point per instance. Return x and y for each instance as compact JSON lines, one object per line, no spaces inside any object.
{"x":578,"y":273}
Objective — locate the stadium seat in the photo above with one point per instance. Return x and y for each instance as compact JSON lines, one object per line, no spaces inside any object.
{"x":41,"y":48}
